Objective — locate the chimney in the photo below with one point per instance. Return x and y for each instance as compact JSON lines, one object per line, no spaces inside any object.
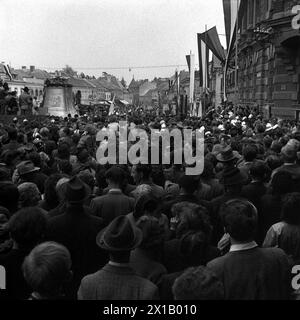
{"x":23,"y":67}
{"x":32,"y":68}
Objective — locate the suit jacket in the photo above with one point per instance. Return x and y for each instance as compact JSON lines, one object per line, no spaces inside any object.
{"x":76,"y":229}
{"x":112,"y":205}
{"x":254,"y":274}
{"x":116,"y":283}
{"x":253,"y":192}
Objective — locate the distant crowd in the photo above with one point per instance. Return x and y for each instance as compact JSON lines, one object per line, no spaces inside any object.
{"x":71,"y":228}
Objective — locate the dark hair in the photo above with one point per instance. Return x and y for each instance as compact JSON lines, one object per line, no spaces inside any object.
{"x":9,"y":196}
{"x":145,"y":202}
{"x":282,"y":183}
{"x":51,"y":197}
{"x":28,"y":226}
{"x":290,"y":208}
{"x":198,"y":284}
{"x":63,"y":151}
{"x":274,"y":162}
{"x":250,"y":152}
{"x":145,"y":169}
{"x":189,"y":183}
{"x":116,"y":175}
{"x":65,"y":167}
{"x":239,"y":219}
{"x":259,"y":170}
{"x":12,"y":133}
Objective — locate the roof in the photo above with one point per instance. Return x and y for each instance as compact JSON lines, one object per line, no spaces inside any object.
{"x":37,"y":73}
{"x":78,"y":82}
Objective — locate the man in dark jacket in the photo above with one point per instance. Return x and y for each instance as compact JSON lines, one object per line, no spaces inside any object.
{"x":76,"y":229}
{"x":114,"y":203}
{"x":247,"y":271}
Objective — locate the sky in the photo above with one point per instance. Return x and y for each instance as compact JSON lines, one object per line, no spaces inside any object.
{"x":94,"y":35}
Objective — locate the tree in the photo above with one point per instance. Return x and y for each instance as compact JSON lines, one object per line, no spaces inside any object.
{"x":82,"y":75}
{"x":123,"y":82}
{"x":68,"y":70}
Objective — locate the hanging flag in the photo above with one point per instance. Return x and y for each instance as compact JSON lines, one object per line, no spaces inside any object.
{"x":212,"y":40}
{"x":188,"y":60}
{"x":192,"y":80}
{"x":203,"y":52}
{"x":112,"y":107}
{"x":7,"y":69}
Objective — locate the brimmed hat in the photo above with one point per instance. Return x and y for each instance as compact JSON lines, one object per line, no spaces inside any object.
{"x":76,"y":191}
{"x":120,"y":235}
{"x":233,"y":176}
{"x":227,"y":155}
{"x":26,"y":167}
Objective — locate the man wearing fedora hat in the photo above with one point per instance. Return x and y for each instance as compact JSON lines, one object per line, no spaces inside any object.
{"x":76,"y":229}
{"x":25,"y":102}
{"x":117,"y":280}
{"x":26,"y":171}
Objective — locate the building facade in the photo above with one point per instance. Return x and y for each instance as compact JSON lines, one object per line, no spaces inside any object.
{"x":268,"y":58}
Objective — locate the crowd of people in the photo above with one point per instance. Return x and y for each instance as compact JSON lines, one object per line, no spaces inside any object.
{"x":71,"y":228}
{"x":11,"y":104}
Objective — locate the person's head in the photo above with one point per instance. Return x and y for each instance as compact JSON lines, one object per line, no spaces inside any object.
{"x":47,"y":268}
{"x":282,"y":183}
{"x":233,"y":180}
{"x":153,"y":233}
{"x":290,"y":208}
{"x":63,"y":151}
{"x":119,"y":238}
{"x":77,"y":192}
{"x":274,"y":162}
{"x":27,"y":227}
{"x":9,"y":196}
{"x":250,"y":152}
{"x":115,"y":176}
{"x":145,"y":204}
{"x":188,"y":184}
{"x":12,"y":134}
{"x":87,"y":177}
{"x":239,"y":220}
{"x":141,"y":172}
{"x":198,"y":284}
{"x":83,"y":156}
{"x":191,"y":217}
{"x":259,"y":171}
{"x":289,"y":154}
{"x":51,"y":197}
{"x":65,"y":167}
{"x":29,"y":195}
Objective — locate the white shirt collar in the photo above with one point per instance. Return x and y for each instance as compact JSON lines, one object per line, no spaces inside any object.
{"x":116,"y":264}
{"x":243,"y":246}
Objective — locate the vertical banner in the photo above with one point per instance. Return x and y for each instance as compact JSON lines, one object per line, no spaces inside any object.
{"x":192,"y":82}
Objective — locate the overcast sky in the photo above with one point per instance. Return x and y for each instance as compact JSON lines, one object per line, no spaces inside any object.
{"x":105,"y":33}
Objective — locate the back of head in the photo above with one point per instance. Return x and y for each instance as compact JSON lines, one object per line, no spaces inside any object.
{"x":282,"y":183}
{"x":290,"y":209}
{"x":198,"y":284}
{"x":115,"y":175}
{"x":259,"y":170}
{"x":29,"y":194}
{"x":28,"y":226}
{"x":239,"y":219}
{"x":153,"y":234}
{"x":250,"y":152}
{"x":12,"y":134}
{"x":46,"y":268}
{"x":189,"y":184}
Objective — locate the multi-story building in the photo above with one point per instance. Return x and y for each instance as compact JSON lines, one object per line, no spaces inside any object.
{"x":268,"y":58}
